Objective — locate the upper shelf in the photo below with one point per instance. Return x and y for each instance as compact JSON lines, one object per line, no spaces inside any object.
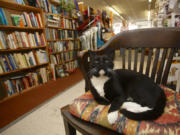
{"x":8,"y":27}
{"x":19,"y":7}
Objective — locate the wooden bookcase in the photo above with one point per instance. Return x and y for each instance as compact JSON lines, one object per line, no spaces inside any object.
{"x":13,"y":8}
{"x":16,"y":105}
{"x":59,"y":27}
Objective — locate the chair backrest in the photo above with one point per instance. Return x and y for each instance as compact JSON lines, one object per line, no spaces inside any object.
{"x":156,"y":45}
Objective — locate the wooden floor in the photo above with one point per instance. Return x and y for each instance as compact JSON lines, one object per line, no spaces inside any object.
{"x":18,"y":105}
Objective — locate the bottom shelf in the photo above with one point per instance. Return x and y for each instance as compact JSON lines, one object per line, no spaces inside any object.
{"x":19,"y":104}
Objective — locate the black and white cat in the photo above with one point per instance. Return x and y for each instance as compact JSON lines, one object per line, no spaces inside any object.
{"x":135,"y":95}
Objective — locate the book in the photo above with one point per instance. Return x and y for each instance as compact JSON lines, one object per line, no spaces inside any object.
{"x":3,"y":43}
{"x":38,"y":16}
{"x":43,"y":74}
{"x":9,"y":88}
{"x":3,"y":17}
{"x":41,"y":56}
{"x":5,"y":63}
{"x":16,"y":19}
{"x":11,"y":62}
{"x":52,"y":68}
{"x":1,"y":69}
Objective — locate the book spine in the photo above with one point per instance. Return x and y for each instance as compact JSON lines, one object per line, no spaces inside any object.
{"x":3,"y":16}
{"x":11,"y":63}
{"x":18,"y":39}
{"x":36,"y":40}
{"x":22,"y":39}
{"x":27,"y":39}
{"x":7,"y":68}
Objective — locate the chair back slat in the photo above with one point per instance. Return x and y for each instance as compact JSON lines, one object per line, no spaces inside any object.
{"x":123,"y":59}
{"x":149,"y":61}
{"x":135,"y":59}
{"x":129,"y":59}
{"x":142,"y":61}
{"x":153,"y":73}
{"x":168,"y":65}
{"x":160,"y":71}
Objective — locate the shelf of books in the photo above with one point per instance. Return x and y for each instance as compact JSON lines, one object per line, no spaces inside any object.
{"x":37,"y":45}
{"x":63,"y":43}
{"x":23,"y":47}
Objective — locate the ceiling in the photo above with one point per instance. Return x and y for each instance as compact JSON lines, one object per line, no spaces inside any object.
{"x":130,"y":10}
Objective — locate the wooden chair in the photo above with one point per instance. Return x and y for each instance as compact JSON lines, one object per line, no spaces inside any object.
{"x":158,"y":42}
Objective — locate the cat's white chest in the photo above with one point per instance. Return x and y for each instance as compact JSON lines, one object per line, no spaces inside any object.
{"x":98,"y":83}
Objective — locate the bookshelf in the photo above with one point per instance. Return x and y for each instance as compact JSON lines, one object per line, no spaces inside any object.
{"x":23,"y":69}
{"x":61,"y":31}
{"x":36,"y":79}
{"x":23,"y":46}
{"x":21,"y":49}
{"x":28,"y":42}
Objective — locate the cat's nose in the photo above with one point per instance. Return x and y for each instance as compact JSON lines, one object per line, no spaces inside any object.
{"x":101,"y":72}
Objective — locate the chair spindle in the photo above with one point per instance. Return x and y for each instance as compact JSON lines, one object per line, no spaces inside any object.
{"x":160,"y":71}
{"x":153,"y":73}
{"x":168,"y":64}
{"x":135,"y":59}
{"x":129,"y":59}
{"x":142,"y":61}
{"x":149,"y":61}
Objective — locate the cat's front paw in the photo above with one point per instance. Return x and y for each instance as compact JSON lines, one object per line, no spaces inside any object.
{"x":112,"y":117}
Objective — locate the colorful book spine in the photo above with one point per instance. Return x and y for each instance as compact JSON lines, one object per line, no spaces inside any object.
{"x":3,"y":17}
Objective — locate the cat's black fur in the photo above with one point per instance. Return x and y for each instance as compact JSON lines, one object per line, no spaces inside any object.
{"x":126,"y":83}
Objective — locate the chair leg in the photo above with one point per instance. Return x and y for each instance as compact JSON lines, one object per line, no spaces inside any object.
{"x":69,"y":129}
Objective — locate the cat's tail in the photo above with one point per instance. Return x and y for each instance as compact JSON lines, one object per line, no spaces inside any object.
{"x":150,"y":114}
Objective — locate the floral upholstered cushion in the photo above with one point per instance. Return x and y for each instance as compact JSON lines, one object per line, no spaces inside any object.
{"x":87,"y":109}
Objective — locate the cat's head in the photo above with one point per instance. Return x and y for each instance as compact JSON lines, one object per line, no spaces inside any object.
{"x":101,"y":64}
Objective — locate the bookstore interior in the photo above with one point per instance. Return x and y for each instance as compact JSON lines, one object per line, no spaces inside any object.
{"x":41,"y":40}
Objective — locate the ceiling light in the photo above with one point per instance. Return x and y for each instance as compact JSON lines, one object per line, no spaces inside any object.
{"x":149,"y":15}
{"x":114,"y":11}
{"x":81,"y":2}
{"x":150,"y":1}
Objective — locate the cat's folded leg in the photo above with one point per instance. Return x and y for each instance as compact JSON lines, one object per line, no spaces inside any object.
{"x":114,"y":109}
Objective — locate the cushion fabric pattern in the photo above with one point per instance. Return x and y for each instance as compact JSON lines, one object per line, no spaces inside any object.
{"x":86,"y":108}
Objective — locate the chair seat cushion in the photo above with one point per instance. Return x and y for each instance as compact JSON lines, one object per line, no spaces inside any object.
{"x":87,"y":109}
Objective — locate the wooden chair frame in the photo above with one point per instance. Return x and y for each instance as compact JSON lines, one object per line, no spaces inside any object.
{"x":158,"y":38}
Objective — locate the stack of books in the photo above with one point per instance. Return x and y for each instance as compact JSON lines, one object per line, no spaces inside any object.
{"x":23,"y":20}
{"x":65,"y":34}
{"x":14,"y":61}
{"x":63,"y":57}
{"x":17,"y":39}
{"x":57,"y":46}
{"x":68,"y":23}
{"x":51,"y":34}
{"x":71,"y":66}
{"x":17,"y":84}
{"x":63,"y":46}
{"x":52,"y":20}
{"x":41,"y":56}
